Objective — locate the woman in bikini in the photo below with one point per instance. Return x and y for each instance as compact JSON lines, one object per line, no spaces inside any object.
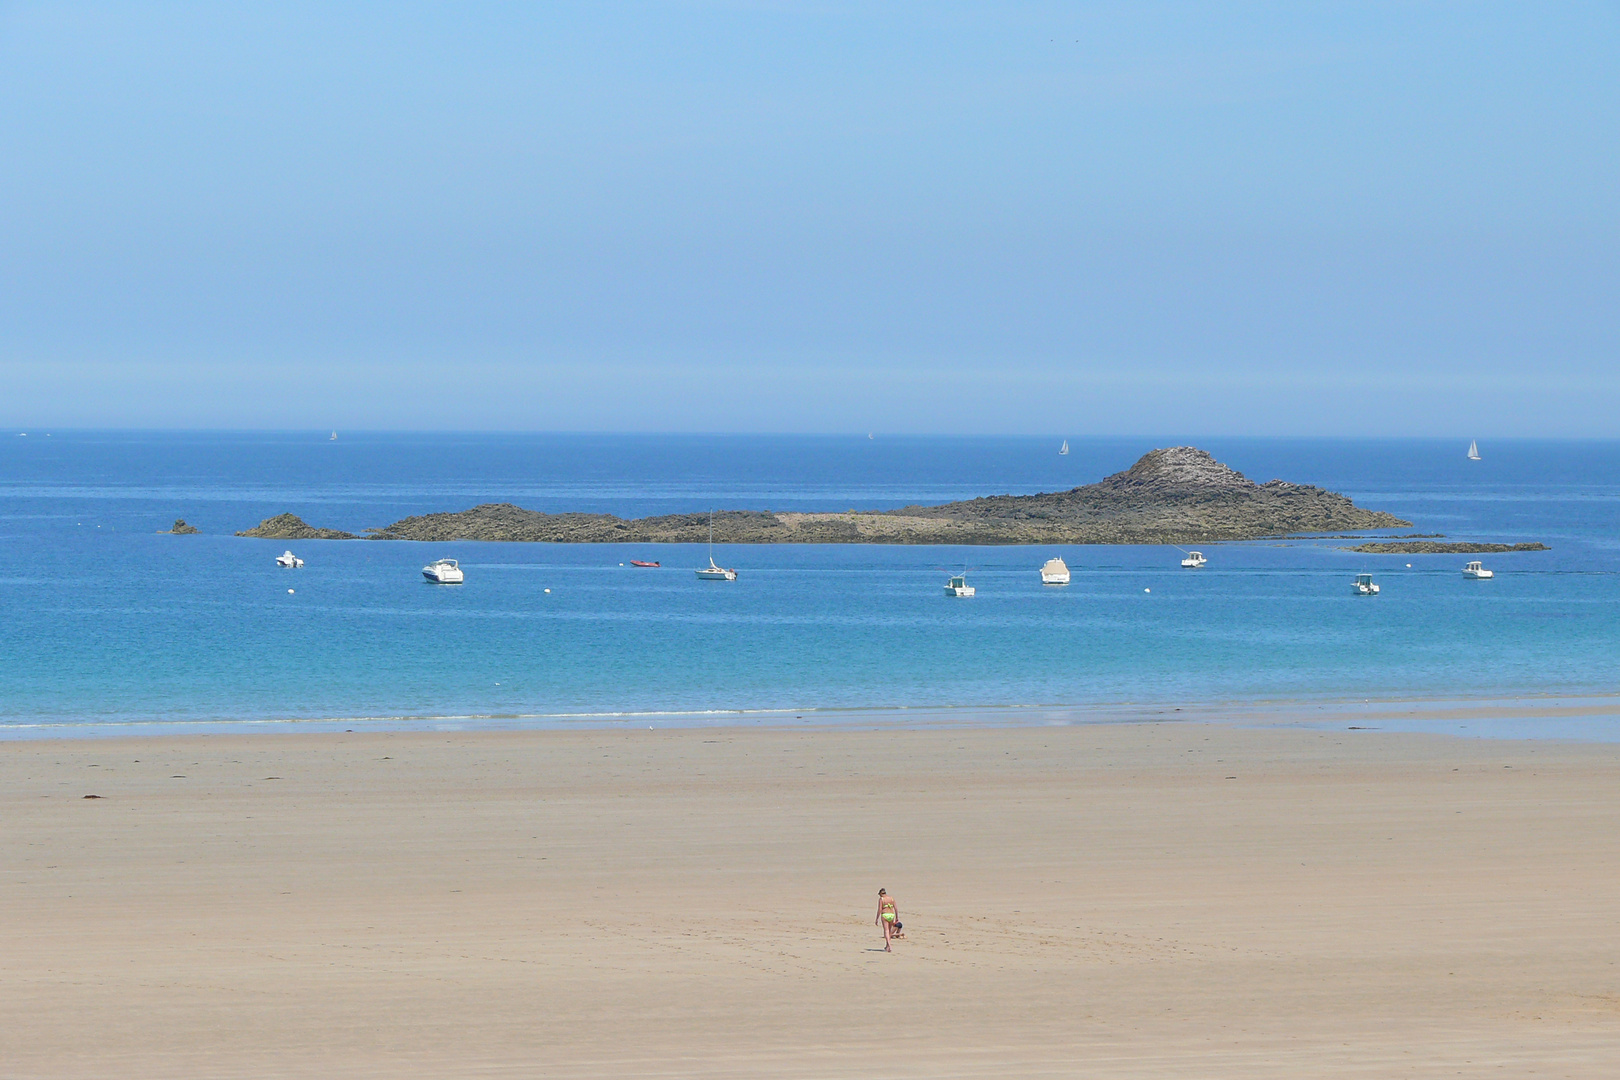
{"x":888,"y":918}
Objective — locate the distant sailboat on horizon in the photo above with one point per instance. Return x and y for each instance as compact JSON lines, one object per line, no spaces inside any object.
{"x":333,"y":438}
{"x":1064,"y":449}
{"x":1473,"y":450}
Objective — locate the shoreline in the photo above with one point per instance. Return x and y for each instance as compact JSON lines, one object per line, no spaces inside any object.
{"x":1167,"y":900}
{"x":1572,"y":717}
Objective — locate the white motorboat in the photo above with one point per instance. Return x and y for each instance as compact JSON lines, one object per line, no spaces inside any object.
{"x":1477,"y":571}
{"x":1364,"y":586}
{"x":1055,"y":572}
{"x":443,"y":572}
{"x":1064,"y":449}
{"x":714,"y":571}
{"x":1194,"y":560}
{"x":1473,"y":450}
{"x":958,"y":586}
{"x":289,"y":560}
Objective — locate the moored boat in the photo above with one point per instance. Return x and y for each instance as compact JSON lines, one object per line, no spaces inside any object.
{"x":443,"y":572}
{"x":1476,"y":571}
{"x":1364,"y":586}
{"x":288,"y":560}
{"x":639,"y":562}
{"x":1055,"y":572}
{"x":958,"y":586}
{"x":715,"y":572}
{"x":1194,"y":560}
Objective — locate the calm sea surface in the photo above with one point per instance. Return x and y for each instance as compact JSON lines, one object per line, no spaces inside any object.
{"x":106,"y":625}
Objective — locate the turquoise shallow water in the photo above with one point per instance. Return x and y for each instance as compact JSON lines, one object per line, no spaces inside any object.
{"x":107,"y":624}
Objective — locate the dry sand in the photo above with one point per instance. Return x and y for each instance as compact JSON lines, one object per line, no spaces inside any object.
{"x":1145,"y":900}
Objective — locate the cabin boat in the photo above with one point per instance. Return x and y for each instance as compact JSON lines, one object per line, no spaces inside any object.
{"x":443,"y":572}
{"x":289,"y":560}
{"x":958,"y":586}
{"x":1194,"y":560}
{"x":1055,"y":572}
{"x":1477,"y":571}
{"x":1364,"y":586}
{"x":712,"y":572}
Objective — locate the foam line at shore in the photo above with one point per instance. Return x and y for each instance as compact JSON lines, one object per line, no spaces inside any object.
{"x":1586,"y":719}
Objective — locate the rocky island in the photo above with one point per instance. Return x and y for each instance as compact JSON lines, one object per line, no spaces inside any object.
{"x":292,"y":527}
{"x":1176,"y":495}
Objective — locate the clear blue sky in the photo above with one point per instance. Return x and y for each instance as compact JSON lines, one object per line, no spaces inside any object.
{"x":1070,"y":218}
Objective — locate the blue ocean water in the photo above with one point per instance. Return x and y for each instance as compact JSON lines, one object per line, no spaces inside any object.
{"x":108,"y":625}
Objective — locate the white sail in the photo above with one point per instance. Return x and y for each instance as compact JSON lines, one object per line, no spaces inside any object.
{"x":1065,"y":448}
{"x":1473,"y":450}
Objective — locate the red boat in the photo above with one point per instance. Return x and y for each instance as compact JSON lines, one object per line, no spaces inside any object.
{"x":638,"y":562}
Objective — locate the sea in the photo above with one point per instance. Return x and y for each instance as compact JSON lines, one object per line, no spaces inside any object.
{"x":109,"y":626}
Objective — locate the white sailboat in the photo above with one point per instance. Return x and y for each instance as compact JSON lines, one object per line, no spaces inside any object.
{"x":333,"y":438}
{"x":1473,"y":450}
{"x":714,"y":572}
{"x":1064,"y":449}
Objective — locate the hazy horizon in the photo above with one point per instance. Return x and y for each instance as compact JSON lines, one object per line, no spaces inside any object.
{"x":1252,"y":219}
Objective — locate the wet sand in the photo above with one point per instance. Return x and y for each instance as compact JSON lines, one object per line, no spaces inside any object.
{"x":1134,"y":900}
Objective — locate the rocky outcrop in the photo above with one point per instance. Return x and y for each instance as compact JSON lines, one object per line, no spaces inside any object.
{"x":1429,"y":547}
{"x":503,"y":521}
{"x":180,"y":529}
{"x":292,"y":527}
{"x":1179,"y":494}
{"x":1175,"y":495}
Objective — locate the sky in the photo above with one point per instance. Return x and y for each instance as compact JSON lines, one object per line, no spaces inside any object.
{"x":1082,"y":218}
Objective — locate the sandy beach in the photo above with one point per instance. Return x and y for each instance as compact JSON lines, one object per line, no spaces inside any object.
{"x":1130,"y":900}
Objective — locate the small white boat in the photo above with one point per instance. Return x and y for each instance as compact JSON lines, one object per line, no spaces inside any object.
{"x":1064,"y":449}
{"x":1473,"y":450}
{"x":333,"y":438}
{"x":1364,"y":586}
{"x":289,"y":560}
{"x":1477,"y":571}
{"x":443,"y":572}
{"x":1194,"y":560}
{"x":715,"y":572}
{"x":1055,"y":572}
{"x":958,"y":586}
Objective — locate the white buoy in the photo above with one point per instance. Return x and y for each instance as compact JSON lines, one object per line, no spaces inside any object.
{"x":1147,"y":590}
{"x":548,"y":590}
{"x":289,"y":591}
{"x":1409,"y":566}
